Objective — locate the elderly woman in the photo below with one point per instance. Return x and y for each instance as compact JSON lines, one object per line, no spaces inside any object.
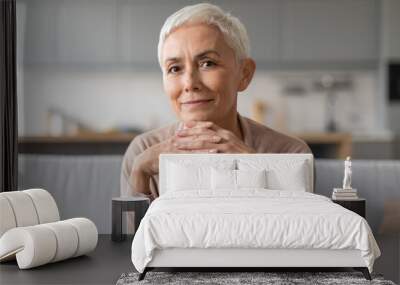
{"x":204,"y":56}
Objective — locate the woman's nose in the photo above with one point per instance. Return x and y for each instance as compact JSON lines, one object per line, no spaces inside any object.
{"x":191,"y":80}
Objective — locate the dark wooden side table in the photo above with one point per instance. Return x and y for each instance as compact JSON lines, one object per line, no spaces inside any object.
{"x":139,"y":205}
{"x":356,"y":205}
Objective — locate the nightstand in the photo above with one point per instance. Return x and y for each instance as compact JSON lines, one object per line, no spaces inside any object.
{"x":138,"y":205}
{"x":356,"y":205}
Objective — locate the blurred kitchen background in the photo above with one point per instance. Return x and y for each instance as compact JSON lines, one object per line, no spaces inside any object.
{"x":327,"y":71}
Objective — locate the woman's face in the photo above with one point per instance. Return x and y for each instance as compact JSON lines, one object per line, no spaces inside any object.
{"x":200,"y":73}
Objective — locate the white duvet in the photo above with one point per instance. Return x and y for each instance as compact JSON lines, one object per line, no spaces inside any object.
{"x":252,"y":218}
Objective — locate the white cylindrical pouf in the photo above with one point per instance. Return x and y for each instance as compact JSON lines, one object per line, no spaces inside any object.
{"x":23,"y":208}
{"x":34,"y":245}
{"x":87,"y":234}
{"x":67,"y":239}
{"x":40,"y":244}
{"x":7,"y":218}
{"x":45,"y":205}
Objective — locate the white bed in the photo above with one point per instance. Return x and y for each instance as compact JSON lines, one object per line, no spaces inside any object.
{"x":202,"y":220}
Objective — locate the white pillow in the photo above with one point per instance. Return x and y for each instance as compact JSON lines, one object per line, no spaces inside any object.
{"x":236,"y":179}
{"x":282,"y":174}
{"x":294,"y":178}
{"x":223,"y":179}
{"x":251,"y":178}
{"x":184,"y":175}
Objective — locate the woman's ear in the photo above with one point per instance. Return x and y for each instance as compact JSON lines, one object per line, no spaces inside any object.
{"x":247,"y":71}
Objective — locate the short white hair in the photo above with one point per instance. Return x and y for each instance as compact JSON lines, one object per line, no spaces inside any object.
{"x":233,"y":30}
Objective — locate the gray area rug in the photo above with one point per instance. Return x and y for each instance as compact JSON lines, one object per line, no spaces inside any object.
{"x":229,"y":278}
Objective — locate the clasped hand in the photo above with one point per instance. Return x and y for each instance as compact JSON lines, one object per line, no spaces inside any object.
{"x":205,"y":136}
{"x":198,"y":137}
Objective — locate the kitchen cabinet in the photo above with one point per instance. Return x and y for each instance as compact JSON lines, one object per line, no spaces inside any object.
{"x":262,"y":21}
{"x":329,"y":31}
{"x":138,"y":28}
{"x":390,"y":29}
{"x":138,"y":33}
{"x":41,"y":34}
{"x":70,"y":32}
{"x":86,"y":30}
{"x":328,"y":145}
{"x":125,"y":32}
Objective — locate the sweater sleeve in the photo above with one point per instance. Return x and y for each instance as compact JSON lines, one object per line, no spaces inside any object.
{"x":134,"y":149}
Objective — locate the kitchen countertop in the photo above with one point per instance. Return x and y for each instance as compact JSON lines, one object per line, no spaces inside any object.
{"x":333,"y":145}
{"x":82,"y":138}
{"x":336,"y":145}
{"x":323,"y":145}
{"x":85,"y":144}
{"x":127,"y":137}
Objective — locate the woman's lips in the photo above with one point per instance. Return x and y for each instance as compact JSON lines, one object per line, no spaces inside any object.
{"x":196,"y":103}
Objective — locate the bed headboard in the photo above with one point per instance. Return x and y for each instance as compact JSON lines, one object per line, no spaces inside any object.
{"x":278,"y":162}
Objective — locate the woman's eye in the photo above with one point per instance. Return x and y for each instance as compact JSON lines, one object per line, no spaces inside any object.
{"x":173,"y":69}
{"x":207,"y":63}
